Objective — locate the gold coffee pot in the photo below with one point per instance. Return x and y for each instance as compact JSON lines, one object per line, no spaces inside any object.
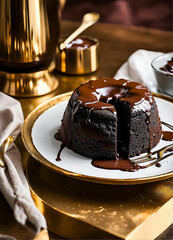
{"x":29,"y":34}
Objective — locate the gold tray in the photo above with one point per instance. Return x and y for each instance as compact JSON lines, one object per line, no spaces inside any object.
{"x":79,"y":209}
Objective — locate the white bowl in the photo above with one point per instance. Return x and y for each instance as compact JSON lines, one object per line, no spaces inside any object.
{"x":164,"y":78}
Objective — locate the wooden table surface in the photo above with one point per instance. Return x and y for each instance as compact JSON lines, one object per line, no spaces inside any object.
{"x":117,"y":43}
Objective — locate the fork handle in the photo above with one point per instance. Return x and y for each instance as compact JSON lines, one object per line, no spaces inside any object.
{"x":3,"y":149}
{"x":2,"y":164}
{"x":163,"y":150}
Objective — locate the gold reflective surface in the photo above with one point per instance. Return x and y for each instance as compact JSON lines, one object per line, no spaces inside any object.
{"x":28,"y":41}
{"x":27,"y":32}
{"x":72,"y":206}
{"x":28,"y":84}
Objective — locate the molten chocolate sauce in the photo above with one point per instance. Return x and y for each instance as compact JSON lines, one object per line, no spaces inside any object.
{"x":80,"y":43}
{"x":121,"y":164}
{"x":168,"y":67}
{"x":158,"y":165}
{"x":167,"y":135}
{"x":57,"y":137}
{"x":62,"y":146}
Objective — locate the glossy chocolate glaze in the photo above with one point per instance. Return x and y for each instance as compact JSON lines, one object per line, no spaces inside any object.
{"x":168,"y":67}
{"x":101,"y":93}
{"x":80,"y":43}
{"x":167,"y":135}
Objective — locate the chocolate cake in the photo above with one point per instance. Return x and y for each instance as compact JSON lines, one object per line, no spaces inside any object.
{"x":108,"y":118}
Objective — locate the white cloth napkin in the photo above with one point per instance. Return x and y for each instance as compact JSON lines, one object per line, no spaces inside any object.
{"x":138,"y":68}
{"x":13,"y":183}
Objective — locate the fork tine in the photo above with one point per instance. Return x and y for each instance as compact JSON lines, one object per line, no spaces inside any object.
{"x":168,"y":155}
{"x":147,"y":159}
{"x":158,"y":160}
{"x":167,"y":125}
{"x":143,"y":157}
{"x":156,"y":155}
{"x":152,"y":163}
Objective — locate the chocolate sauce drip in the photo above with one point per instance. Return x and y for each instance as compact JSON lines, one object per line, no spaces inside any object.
{"x":158,"y":165}
{"x":168,"y":67}
{"x":121,"y":164}
{"x":80,"y":43}
{"x":57,"y":137}
{"x":167,"y":136}
{"x":62,"y":146}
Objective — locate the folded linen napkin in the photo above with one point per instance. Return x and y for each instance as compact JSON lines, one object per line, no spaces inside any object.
{"x":138,"y":68}
{"x":13,"y":183}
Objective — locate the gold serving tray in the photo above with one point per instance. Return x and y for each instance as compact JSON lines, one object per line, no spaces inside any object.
{"x":80,"y":209}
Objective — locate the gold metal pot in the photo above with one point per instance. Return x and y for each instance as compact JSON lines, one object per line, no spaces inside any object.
{"x":29,"y":34}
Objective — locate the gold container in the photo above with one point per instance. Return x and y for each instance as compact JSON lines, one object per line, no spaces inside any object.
{"x":28,"y":84}
{"x":29,"y":34}
{"x":78,"y":61}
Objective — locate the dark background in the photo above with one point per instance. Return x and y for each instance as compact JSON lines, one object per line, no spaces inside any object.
{"x":156,"y":14}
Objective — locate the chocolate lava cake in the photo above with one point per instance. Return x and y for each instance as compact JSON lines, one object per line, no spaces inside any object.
{"x":107,"y":118}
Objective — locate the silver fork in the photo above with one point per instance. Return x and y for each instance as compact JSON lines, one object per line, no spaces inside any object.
{"x":156,"y":155}
{"x":167,"y":125}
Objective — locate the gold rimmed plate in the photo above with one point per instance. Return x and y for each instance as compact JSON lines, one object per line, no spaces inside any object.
{"x":38,"y":136}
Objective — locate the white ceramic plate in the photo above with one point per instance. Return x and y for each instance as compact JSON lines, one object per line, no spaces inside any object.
{"x":47,"y":124}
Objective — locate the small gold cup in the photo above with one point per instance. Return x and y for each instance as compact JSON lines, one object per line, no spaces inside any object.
{"x":78,"y":61}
